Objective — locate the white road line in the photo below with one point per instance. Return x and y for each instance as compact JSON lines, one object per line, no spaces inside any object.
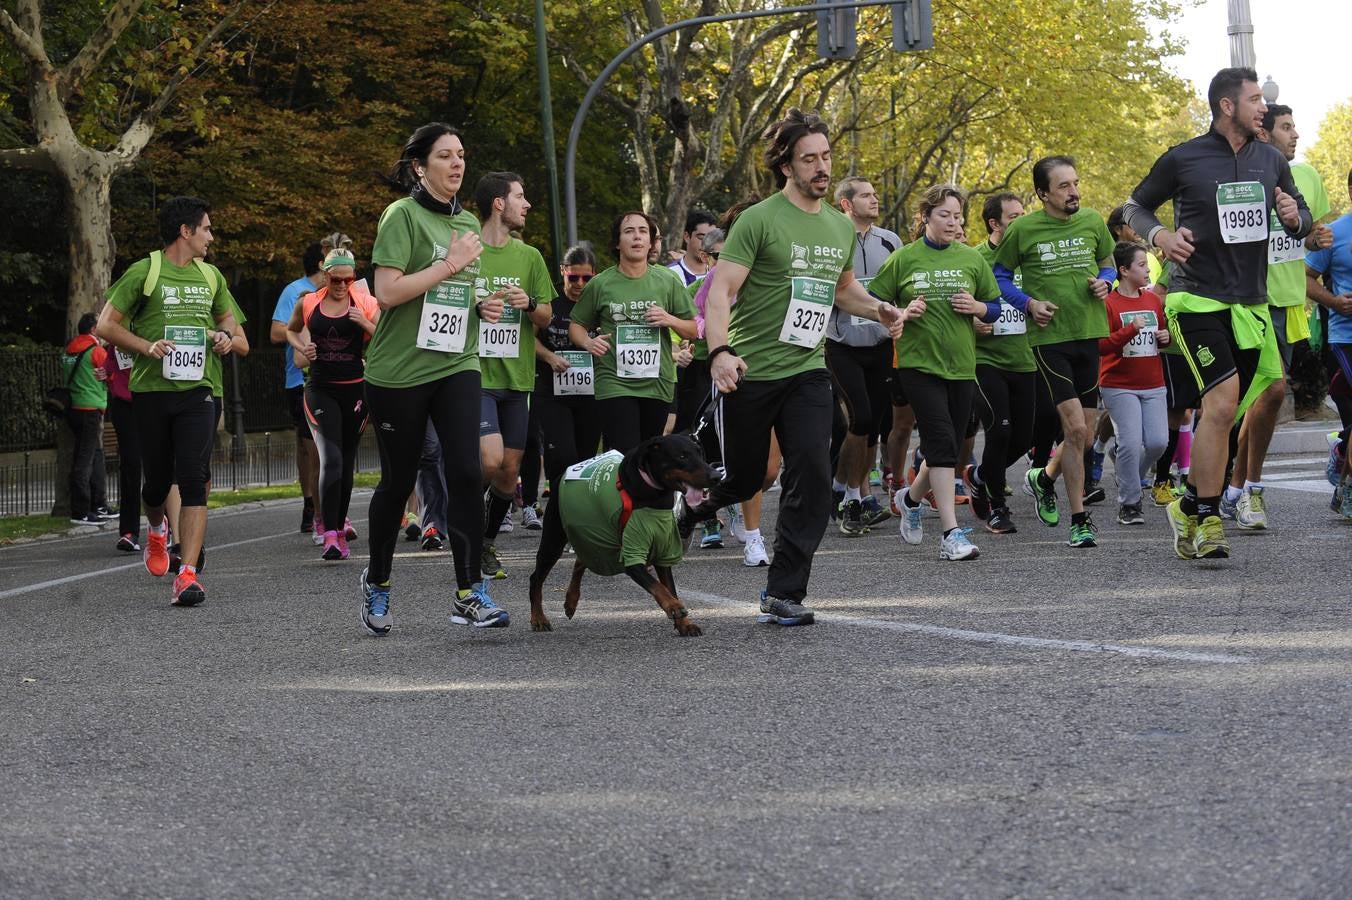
{"x":69,"y":579}
{"x":989,"y":637}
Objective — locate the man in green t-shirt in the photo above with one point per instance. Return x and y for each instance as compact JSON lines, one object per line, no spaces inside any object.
{"x":171,"y":310}
{"x":788,"y":260}
{"x":1065,"y":257}
{"x":514,"y":272}
{"x":1243,"y":499}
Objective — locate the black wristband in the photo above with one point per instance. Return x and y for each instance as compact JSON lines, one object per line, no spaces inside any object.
{"x":479,"y":308}
{"x":726,"y":348}
{"x":532,"y":305}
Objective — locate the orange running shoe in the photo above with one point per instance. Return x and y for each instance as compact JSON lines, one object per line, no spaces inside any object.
{"x":156,"y":554}
{"x":187,"y":590}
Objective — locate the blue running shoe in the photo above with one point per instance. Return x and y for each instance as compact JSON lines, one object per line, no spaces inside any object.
{"x":1096,"y":467}
{"x":475,"y":607}
{"x":375,"y":608}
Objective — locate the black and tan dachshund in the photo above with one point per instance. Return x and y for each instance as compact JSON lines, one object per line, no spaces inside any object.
{"x":650,"y":474}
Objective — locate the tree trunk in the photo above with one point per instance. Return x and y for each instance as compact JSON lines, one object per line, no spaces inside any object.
{"x":89,"y":191}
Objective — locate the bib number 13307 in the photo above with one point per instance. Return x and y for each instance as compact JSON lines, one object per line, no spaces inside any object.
{"x":445,"y":317}
{"x":809,"y":309}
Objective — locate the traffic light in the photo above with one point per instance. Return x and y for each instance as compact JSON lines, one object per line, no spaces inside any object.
{"x":912,"y":26}
{"x":836,"y":33}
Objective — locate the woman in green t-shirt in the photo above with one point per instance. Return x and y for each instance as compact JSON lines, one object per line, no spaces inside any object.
{"x":946,"y":284}
{"x":422,"y":364}
{"x":633,"y":305}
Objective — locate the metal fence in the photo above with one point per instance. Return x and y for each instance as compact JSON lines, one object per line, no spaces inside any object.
{"x":29,"y":487}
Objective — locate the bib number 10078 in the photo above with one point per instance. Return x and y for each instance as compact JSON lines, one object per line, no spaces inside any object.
{"x":445,"y":317}
{"x":809,"y":310}
{"x":187,"y":359}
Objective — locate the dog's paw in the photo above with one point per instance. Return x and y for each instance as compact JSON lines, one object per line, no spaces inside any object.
{"x":540,"y":624}
{"x":570,"y":604}
{"x":687,"y":628}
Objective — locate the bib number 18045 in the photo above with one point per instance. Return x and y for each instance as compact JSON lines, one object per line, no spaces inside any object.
{"x":187,"y":359}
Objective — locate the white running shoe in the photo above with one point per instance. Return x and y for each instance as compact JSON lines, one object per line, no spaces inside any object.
{"x":755,"y":554}
{"x":958,"y":546}
{"x":736,"y":524}
{"x":912,"y":531}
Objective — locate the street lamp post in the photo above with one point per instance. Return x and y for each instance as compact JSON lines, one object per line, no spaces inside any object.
{"x":1240,"y":30}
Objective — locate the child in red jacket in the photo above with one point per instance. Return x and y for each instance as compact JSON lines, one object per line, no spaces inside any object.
{"x":1132,"y":379}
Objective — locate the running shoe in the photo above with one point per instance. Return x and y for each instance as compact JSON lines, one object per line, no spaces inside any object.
{"x":530,"y":519}
{"x":1251,"y":511}
{"x":1000,"y":521}
{"x":1345,"y":501}
{"x":348,"y":531}
{"x":344,"y":552}
{"x":1209,"y":541}
{"x":736,"y":524}
{"x":317,"y":535}
{"x":156,"y":554}
{"x":981,"y":504}
{"x":307,"y":517}
{"x":1095,"y":466}
{"x":1083,"y":534}
{"x":89,"y":521}
{"x":104,"y":514}
{"x":490,"y":565}
{"x":1184,"y":528}
{"x":506,"y":526}
{"x":1130,"y":514}
{"x":754,"y":555}
{"x":1046,"y":498}
{"x":188,"y":591}
{"x":1333,"y":469}
{"x":176,"y":559}
{"x":894,"y":504}
{"x":1229,"y":508}
{"x":837,"y":498}
{"x":375,"y":606}
{"x":783,"y":612}
{"x":331,"y":551}
{"x":1025,"y":487}
{"x":1094,"y":494}
{"x":431,"y":539}
{"x":127,"y":543}
{"x":474,"y":607}
{"x":851,"y":517}
{"x":1162,"y":494}
{"x":912,"y":530}
{"x":960,"y":496}
{"x":875,"y":478}
{"x":412,"y":530}
{"x":874,"y":513}
{"x":712,"y":537}
{"x":956,"y":545}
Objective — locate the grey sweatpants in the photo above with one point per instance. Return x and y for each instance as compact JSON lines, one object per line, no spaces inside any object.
{"x":1141,"y":422}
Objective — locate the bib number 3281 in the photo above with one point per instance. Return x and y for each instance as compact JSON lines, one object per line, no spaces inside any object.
{"x":1242,"y":209}
{"x":809,"y":310}
{"x":445,"y":317}
{"x":187,"y":359}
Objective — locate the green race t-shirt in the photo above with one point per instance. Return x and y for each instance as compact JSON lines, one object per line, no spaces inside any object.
{"x":1006,"y":350}
{"x":507,"y":347}
{"x":1286,"y":254}
{"x":783,"y":307}
{"x":182,"y":306}
{"x":1056,"y":259}
{"x":215,"y":363}
{"x":410,"y":238}
{"x":941,"y":342}
{"x":589,"y":497}
{"x":639,"y":363}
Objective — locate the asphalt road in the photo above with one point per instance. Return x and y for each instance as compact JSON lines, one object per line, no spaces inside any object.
{"x":1041,"y":722}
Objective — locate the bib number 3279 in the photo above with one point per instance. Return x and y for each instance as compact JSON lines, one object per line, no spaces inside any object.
{"x":187,"y":359}
{"x":445,"y":317}
{"x":1242,"y":209}
{"x":809,"y":310}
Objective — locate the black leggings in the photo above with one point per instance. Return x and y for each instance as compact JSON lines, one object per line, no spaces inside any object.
{"x":176,"y":430}
{"x":943,"y":409}
{"x":530,"y":460}
{"x":128,"y":467}
{"x":627,"y":421}
{"x":570,"y":431}
{"x":337,"y":415}
{"x":1005,"y":403}
{"x":400,"y":416}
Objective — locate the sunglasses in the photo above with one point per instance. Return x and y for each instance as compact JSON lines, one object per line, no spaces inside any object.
{"x":713,"y":254}
{"x":348,"y":280}
{"x":582,"y":279}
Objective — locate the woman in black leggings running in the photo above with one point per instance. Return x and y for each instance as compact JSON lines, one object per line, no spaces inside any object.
{"x":423,"y":364}
{"x":330,"y":328}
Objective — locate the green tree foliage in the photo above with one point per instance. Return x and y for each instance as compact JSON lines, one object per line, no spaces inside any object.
{"x":1331,"y":154}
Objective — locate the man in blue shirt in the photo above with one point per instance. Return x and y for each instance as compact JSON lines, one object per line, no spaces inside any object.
{"x":1336,"y":261}
{"x":307,"y":456}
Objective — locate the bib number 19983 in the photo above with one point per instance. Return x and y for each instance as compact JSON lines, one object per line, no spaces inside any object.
{"x":1242,"y":209}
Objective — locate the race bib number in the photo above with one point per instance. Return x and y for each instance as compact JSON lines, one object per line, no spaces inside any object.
{"x":809,"y":310}
{"x":1011,"y":321}
{"x":502,"y":339}
{"x":1242,"y":208}
{"x":638,"y":351}
{"x":579,"y":379}
{"x":124,"y":359}
{"x":445,"y":318}
{"x":1282,"y":247}
{"x":860,"y":320}
{"x":1146,"y":342}
{"x":187,"y":359}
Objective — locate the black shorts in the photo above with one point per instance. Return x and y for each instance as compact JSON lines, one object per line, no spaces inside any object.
{"x":943,"y":411}
{"x":1208,"y":344}
{"x":860,"y":377}
{"x":1278,"y":314}
{"x":1069,"y":370}
{"x":899,"y":397}
{"x":507,"y":413}
{"x":295,"y":404}
{"x":1179,"y":382}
